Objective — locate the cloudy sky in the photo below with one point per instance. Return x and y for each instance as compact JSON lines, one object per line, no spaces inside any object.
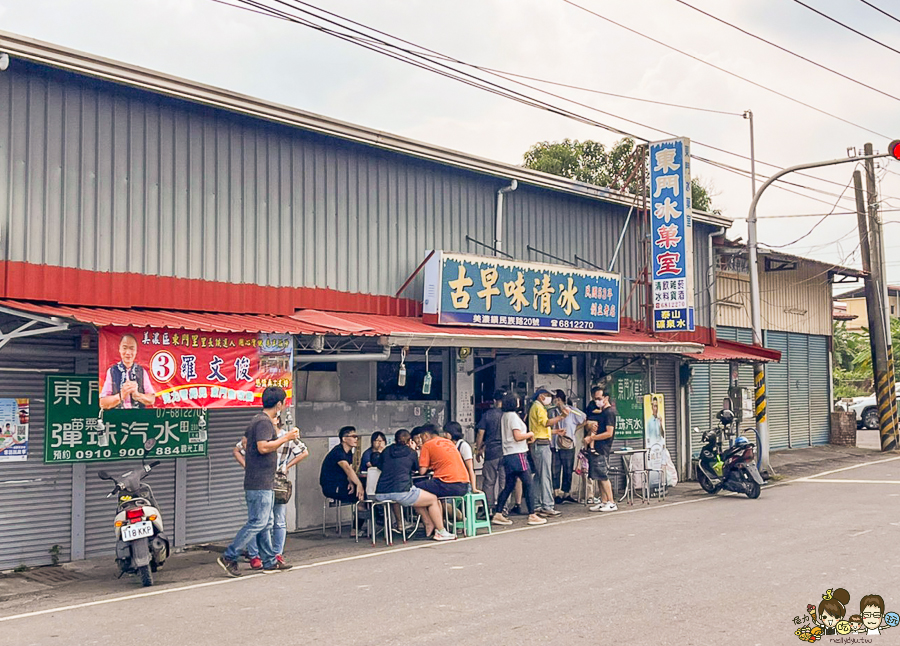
{"x":558,"y":41}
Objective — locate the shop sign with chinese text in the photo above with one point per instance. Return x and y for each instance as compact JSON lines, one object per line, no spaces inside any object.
{"x":190,"y":369}
{"x":490,"y":292}
{"x":75,"y":431}
{"x":14,"y":415}
{"x":628,"y":394}
{"x":672,"y":236}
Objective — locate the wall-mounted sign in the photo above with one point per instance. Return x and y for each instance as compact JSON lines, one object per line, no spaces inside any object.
{"x":74,"y":431}
{"x":628,"y":397}
{"x":672,"y":236}
{"x":168,"y":368}
{"x":14,"y":416}
{"x":490,"y":292}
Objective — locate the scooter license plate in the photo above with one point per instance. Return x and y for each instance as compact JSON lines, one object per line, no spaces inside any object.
{"x":143,"y":529}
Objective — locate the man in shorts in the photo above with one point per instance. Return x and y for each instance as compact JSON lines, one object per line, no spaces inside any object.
{"x":439,"y":455}
{"x":599,"y":434}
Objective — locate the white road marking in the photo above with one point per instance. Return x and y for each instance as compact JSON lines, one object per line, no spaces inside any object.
{"x":838,"y":481}
{"x":409,"y":548}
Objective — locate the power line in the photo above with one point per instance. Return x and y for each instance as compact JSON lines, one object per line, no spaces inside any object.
{"x":880,"y":10}
{"x":845,"y":26}
{"x":721,"y":69}
{"x":787,"y":51}
{"x":403,"y":55}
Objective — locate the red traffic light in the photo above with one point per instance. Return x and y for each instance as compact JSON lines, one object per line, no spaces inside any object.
{"x":894,"y":149}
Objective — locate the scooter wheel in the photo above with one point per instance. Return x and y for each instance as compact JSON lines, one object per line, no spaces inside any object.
{"x":704,"y":482}
{"x":146,"y":576}
{"x":753,"y":489}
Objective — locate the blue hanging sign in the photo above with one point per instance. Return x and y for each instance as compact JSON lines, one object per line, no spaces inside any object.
{"x":672,"y":236}
{"x":490,"y":292}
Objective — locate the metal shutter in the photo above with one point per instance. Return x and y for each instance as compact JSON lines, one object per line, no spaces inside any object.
{"x":35,"y":506}
{"x":777,"y":393}
{"x":798,"y":385}
{"x":819,"y":391}
{"x":215,"y":484}
{"x":699,"y":405}
{"x":100,"y":511}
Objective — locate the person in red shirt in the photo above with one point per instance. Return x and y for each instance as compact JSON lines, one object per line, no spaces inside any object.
{"x":439,"y":455}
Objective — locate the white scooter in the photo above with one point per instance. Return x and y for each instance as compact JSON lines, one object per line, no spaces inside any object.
{"x":141,"y":544}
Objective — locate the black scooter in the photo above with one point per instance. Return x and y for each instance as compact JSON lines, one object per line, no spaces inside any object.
{"x":141,"y":544}
{"x":733,"y":469}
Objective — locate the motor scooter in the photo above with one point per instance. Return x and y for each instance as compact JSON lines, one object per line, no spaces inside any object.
{"x":141,"y":544}
{"x":732,"y":469}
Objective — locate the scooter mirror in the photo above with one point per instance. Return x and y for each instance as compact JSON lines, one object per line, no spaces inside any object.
{"x":149,"y":444}
{"x":103,"y":475}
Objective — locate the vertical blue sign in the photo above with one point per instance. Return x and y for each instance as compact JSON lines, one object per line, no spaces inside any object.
{"x":672,"y":236}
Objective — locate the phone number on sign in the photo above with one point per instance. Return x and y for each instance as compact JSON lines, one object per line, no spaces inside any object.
{"x":575,"y":325}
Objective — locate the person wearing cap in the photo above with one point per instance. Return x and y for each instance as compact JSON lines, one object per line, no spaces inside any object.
{"x":489,"y":447}
{"x":564,"y":445}
{"x":541,"y":424}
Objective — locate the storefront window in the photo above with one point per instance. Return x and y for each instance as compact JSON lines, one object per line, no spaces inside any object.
{"x":389,"y":377}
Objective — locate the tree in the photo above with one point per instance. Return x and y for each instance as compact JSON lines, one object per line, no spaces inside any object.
{"x":593,"y":163}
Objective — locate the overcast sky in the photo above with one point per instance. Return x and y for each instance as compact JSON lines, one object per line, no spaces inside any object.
{"x":550,"y":39}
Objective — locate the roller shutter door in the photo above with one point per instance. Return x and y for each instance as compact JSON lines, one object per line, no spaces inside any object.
{"x":778,"y":403}
{"x":798,"y":386}
{"x":36,"y":500}
{"x":699,"y":398}
{"x":215,"y":484}
{"x":819,"y":391}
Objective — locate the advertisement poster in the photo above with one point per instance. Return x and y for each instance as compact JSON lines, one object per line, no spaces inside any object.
{"x":672,"y":235}
{"x":14,"y":414}
{"x":654,"y":434}
{"x":76,"y":432}
{"x":628,"y":396}
{"x":166,"y":368}
{"x":463,"y":289}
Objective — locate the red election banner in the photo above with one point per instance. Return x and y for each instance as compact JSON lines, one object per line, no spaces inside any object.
{"x":170,"y":368}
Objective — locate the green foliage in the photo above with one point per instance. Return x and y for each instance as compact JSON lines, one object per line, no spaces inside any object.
{"x":852,"y":359}
{"x":593,"y":163}
{"x":21,"y":568}
{"x":54,"y":554}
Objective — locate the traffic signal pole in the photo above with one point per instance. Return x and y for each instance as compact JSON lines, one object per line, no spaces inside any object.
{"x":755,"y":308}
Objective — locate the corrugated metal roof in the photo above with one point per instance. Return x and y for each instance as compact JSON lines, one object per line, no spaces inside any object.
{"x":734,"y":351}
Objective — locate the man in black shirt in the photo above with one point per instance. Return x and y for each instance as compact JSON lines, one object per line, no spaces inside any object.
{"x":489,"y":446}
{"x":337,"y":478}
{"x":599,"y":433}
{"x":261,"y":460}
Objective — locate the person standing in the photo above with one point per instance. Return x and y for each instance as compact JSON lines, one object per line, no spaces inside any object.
{"x":261,"y":461}
{"x":515,"y":436}
{"x":599,"y":434}
{"x":489,"y":447}
{"x":541,"y":426}
{"x":289,"y":455}
{"x":563,"y":446}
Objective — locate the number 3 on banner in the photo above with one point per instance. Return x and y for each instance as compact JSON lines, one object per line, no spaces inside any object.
{"x":162,"y":366}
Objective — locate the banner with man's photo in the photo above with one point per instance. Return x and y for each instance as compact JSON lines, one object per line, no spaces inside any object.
{"x":172,"y":368}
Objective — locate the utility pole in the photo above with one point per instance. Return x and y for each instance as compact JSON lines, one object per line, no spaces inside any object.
{"x":759,"y":369}
{"x":893,"y":151}
{"x":879,"y":314}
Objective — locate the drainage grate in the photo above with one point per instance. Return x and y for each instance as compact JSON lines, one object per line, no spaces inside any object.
{"x":50,"y":575}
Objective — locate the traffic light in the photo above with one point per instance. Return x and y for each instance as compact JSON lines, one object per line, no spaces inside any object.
{"x":894,"y":149}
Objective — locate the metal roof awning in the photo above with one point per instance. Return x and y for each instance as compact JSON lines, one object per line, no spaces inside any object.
{"x":393,"y":331}
{"x":734,"y":351}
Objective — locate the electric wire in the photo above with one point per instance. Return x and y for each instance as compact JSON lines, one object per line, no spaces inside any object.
{"x":846,"y":26}
{"x":787,"y":51}
{"x":880,"y":10}
{"x":722,"y":69}
{"x":379,"y":46}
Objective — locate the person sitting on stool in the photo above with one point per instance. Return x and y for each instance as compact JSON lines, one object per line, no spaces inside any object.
{"x":337,"y":478}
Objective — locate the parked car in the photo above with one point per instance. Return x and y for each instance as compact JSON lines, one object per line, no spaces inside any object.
{"x":866,"y":409}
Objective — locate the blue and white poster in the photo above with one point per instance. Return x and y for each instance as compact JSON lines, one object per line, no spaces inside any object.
{"x":484,"y":291}
{"x":672,"y":236}
{"x":14,"y":415}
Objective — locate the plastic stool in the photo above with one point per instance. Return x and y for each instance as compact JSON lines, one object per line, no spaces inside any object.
{"x":452,"y":501}
{"x":471,"y":523}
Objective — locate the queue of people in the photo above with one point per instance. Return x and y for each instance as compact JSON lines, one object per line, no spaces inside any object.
{"x":533,"y":460}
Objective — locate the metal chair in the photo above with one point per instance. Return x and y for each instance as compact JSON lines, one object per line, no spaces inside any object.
{"x":337,"y":505}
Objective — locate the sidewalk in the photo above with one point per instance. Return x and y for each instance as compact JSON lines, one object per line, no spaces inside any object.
{"x":197,"y":563}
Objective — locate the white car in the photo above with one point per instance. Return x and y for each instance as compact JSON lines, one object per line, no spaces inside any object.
{"x":866,"y":409}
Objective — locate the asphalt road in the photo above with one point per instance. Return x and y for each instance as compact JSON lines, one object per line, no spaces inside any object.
{"x":703,"y":570}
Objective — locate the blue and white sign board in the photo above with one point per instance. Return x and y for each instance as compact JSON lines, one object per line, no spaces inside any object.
{"x":485,"y":291}
{"x":672,"y":236}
